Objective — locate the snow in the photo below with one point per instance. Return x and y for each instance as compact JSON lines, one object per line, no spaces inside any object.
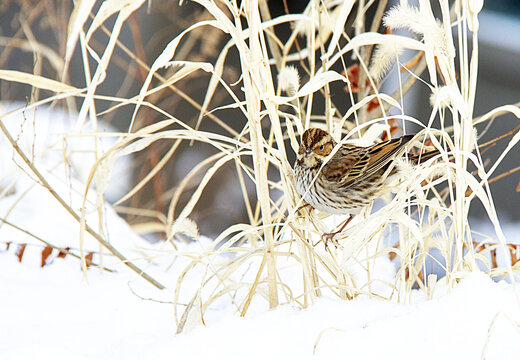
{"x":54,"y":312}
{"x":46,"y":135}
{"x":370,"y":329}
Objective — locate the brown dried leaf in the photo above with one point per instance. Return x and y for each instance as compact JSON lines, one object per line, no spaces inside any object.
{"x":353,"y":78}
{"x":513,"y":250}
{"x":372,"y":105}
{"x":46,"y":252}
{"x":19,"y":251}
{"x":393,"y":254}
{"x":88,"y":258}
{"x":62,"y":254}
{"x":429,"y":143}
{"x":406,"y":274}
{"x":394,"y":128}
{"x":476,"y":245}
{"x":352,"y":75}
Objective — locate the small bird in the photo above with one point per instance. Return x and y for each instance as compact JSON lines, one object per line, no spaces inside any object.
{"x":352,"y":178}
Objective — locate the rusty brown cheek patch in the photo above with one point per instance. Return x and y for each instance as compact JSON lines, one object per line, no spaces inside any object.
{"x":320,"y":152}
{"x":326,"y":150}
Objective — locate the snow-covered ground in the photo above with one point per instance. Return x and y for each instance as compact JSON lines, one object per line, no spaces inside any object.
{"x":54,"y":312}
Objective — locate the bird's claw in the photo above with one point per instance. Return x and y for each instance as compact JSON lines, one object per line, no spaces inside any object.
{"x":326,"y":237}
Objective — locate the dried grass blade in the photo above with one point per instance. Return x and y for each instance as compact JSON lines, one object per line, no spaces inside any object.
{"x":37,"y":81}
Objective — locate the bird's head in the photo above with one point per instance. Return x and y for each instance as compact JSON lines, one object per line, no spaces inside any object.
{"x":316,"y":145}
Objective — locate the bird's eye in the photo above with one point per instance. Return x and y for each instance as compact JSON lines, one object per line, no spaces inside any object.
{"x":322,"y":147}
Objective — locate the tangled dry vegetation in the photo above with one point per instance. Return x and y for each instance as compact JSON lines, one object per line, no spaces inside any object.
{"x":283,"y":86}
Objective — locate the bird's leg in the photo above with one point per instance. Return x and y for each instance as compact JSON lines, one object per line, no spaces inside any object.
{"x":329,"y":236}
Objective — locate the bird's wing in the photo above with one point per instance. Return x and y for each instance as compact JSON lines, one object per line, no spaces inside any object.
{"x":351,"y":165}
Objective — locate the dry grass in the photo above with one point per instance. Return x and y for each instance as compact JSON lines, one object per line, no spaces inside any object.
{"x":430,"y":207}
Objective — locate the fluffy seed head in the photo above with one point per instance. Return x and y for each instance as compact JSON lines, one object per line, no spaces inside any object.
{"x":383,"y":58}
{"x":289,"y":80}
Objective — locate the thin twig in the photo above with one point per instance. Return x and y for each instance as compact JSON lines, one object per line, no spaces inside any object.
{"x":61,"y":250}
{"x":66,"y":206}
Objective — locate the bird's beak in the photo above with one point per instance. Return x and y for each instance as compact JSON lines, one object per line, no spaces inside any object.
{"x":308,"y":151}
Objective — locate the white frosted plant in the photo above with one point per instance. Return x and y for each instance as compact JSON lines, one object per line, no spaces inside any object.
{"x":250,"y":261}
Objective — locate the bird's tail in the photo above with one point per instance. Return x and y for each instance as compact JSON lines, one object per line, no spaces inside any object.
{"x":417,"y":159}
